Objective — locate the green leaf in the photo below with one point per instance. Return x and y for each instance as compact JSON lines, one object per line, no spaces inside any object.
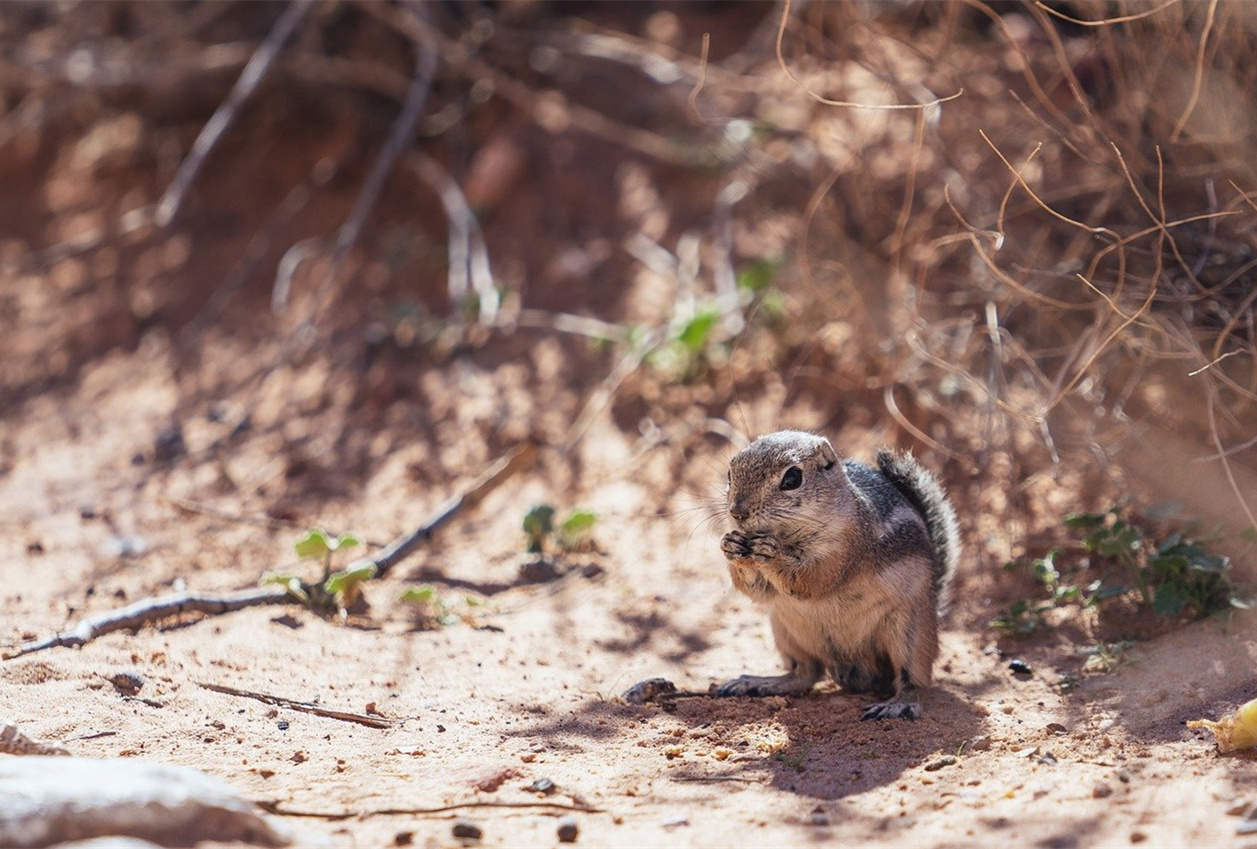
{"x":695,"y":333}
{"x":579,"y":522}
{"x":288,"y":581}
{"x":344,"y":541}
{"x":314,"y":545}
{"x":1085,"y":521}
{"x":756,"y":276}
{"x":538,"y":524}
{"x":339,"y":583}
{"x":1168,"y":600}
{"x":418,"y":595}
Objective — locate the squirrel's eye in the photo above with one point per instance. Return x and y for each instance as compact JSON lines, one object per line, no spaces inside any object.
{"x":792,"y":479}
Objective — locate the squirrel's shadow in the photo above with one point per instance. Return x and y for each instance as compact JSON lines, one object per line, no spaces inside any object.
{"x":823,"y":749}
{"x":813,"y":745}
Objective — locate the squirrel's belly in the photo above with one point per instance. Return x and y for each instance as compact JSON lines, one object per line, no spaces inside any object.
{"x":842,"y":624}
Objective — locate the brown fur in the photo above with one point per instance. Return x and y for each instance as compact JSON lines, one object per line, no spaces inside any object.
{"x":850,"y":562}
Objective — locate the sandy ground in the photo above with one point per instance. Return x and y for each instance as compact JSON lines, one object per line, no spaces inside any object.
{"x":524,"y":686}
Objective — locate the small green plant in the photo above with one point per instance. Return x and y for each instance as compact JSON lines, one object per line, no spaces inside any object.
{"x":687,"y":353}
{"x":337,"y":590}
{"x":1105,"y":657}
{"x":433,"y":611}
{"x":1174,"y":577}
{"x":574,"y":533}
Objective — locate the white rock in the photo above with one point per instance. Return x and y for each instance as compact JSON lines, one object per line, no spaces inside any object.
{"x":46,"y":800}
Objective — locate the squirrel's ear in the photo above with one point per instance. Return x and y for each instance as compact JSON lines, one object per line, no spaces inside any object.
{"x":828,"y":455}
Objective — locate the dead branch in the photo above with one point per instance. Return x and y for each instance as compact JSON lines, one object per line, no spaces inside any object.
{"x":135,"y":616}
{"x":399,"y":136}
{"x":276,"y":808}
{"x":305,"y":707}
{"x":218,"y":123}
{"x":14,"y":742}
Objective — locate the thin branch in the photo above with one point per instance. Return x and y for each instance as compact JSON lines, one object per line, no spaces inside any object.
{"x":135,"y":616}
{"x":1199,"y":78}
{"x":305,"y":707}
{"x":218,"y":123}
{"x":781,"y":61}
{"x":277,"y":809}
{"x":1106,"y":21}
{"x":399,"y":137}
{"x":469,"y":266}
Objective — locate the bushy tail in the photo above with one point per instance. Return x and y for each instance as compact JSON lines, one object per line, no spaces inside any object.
{"x":925,"y":493}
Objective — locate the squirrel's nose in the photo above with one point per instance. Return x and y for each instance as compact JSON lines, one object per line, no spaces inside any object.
{"x":739,"y":510}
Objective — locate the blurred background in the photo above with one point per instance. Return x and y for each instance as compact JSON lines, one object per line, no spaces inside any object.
{"x":364,"y":242}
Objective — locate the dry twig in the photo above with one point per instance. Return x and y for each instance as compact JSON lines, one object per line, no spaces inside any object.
{"x":304,"y":707}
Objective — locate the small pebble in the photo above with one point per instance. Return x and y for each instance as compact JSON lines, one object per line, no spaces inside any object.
{"x":1019,"y":667}
{"x":569,"y":830}
{"x":1101,"y":791}
{"x":1138,"y":837}
{"x":127,"y":683}
{"x":467,"y":830}
{"x":981,"y":743}
{"x":282,"y":725}
{"x":818,"y":817}
{"x":542,"y":785}
{"x":539,"y":570}
{"x":1056,"y":728}
{"x":404,"y":838}
{"x":934,"y":766}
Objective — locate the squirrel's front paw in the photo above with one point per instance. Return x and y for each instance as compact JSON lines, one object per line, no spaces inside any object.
{"x":737,"y":545}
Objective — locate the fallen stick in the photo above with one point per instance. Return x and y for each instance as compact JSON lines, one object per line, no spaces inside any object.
{"x":135,"y":616}
{"x":146,"y":611}
{"x":305,"y":707}
{"x":275,"y":809}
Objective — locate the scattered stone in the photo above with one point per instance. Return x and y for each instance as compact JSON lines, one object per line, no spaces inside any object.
{"x":282,"y":725}
{"x":48,"y":800}
{"x":169,"y":444}
{"x":492,"y":780}
{"x":1101,"y":791}
{"x":1020,"y":668}
{"x":935,"y":766}
{"x":569,"y":830}
{"x":467,"y":830}
{"x":14,"y":742}
{"x":1124,"y":777}
{"x":1138,"y":837}
{"x":544,"y":786}
{"x":818,"y":817}
{"x":1056,"y":728}
{"x":404,"y":838}
{"x":677,"y":823}
{"x":127,"y":683}
{"x":1048,"y":758}
{"x":288,"y":621}
{"x":980,"y":743}
{"x":539,"y":569}
{"x":592,"y":570}
{"x":649,"y":690}
{"x":1238,"y":808}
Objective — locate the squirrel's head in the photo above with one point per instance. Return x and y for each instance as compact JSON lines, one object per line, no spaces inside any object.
{"x":789,"y":476}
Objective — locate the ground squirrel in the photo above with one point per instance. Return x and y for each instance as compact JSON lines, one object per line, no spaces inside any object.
{"x":852,"y":563}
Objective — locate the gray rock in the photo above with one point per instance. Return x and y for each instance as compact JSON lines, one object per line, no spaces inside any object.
{"x":46,"y":800}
